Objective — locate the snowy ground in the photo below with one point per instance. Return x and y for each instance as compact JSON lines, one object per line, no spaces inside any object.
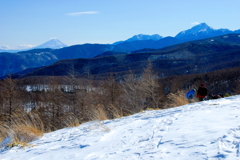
{"x":204,"y":130}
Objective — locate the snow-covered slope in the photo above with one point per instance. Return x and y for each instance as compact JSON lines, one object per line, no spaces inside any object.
{"x":53,"y":43}
{"x":205,"y":130}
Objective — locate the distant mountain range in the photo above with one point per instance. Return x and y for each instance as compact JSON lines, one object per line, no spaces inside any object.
{"x":198,"y":56}
{"x":200,"y":31}
{"x":39,"y":57}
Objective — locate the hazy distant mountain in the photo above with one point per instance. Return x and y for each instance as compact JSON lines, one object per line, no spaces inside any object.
{"x":53,"y":44}
{"x":138,"y":45}
{"x":237,"y":31}
{"x":141,"y":37}
{"x":16,"y":62}
{"x":11,"y":51}
{"x":82,"y":51}
{"x":201,"y":31}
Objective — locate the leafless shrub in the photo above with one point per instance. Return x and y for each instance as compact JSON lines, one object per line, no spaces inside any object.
{"x":176,"y":99}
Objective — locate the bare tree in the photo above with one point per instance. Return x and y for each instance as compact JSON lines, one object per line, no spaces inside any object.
{"x":236,"y":90}
{"x":55,"y":101}
{"x":149,"y":87}
{"x":131,"y":99}
{"x":10,"y":95}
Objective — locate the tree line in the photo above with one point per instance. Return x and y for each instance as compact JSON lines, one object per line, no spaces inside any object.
{"x":60,"y":102}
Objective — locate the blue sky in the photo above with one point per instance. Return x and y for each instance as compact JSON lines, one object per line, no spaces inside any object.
{"x":32,"y":22}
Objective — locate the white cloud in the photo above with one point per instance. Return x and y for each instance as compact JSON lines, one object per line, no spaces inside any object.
{"x":25,"y":46}
{"x":81,"y":13}
{"x":19,"y":47}
{"x":5,"y":47}
{"x":195,"y":23}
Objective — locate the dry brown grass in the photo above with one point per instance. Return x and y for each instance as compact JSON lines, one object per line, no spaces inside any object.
{"x":176,"y":99}
{"x":115,"y":112}
{"x":1,"y":138}
{"x":69,"y":120}
{"x":21,"y":126}
{"x":98,"y":113}
{"x":27,"y":133}
{"x":151,"y":109}
{"x":20,"y":144}
{"x":99,"y":126}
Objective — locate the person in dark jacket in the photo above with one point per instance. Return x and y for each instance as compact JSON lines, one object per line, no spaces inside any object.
{"x":202,"y":92}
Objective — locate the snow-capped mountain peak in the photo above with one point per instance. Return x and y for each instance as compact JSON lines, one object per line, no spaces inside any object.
{"x":140,"y":37}
{"x":200,"y":31}
{"x":201,"y":27}
{"x":53,"y":43}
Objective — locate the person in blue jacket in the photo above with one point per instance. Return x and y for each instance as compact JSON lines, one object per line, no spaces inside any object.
{"x":191,"y":94}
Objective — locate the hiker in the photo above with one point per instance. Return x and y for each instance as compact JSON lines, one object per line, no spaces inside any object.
{"x":202,"y":92}
{"x":190,"y":95}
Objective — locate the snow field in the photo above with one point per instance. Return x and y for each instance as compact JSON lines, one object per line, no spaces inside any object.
{"x":205,"y":130}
